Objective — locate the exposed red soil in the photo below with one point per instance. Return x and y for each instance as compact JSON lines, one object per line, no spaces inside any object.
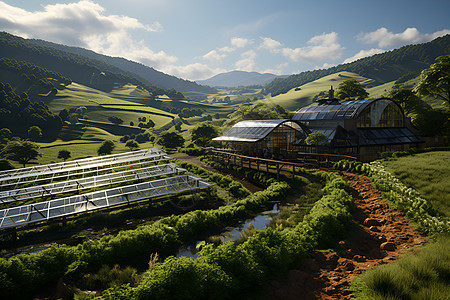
{"x":382,"y":238}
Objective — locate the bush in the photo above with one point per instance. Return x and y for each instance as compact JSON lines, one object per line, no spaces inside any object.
{"x":250,"y":264}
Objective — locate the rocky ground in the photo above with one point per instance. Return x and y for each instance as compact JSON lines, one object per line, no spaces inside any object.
{"x":382,"y":237}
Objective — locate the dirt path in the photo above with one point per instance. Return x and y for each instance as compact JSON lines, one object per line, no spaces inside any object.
{"x":382,"y":238}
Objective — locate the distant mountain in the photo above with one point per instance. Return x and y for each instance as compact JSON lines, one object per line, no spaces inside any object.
{"x":382,"y":68}
{"x":146,"y":73}
{"x":238,"y":78}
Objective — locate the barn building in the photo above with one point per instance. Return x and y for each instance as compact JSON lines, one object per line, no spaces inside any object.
{"x":360,"y":128}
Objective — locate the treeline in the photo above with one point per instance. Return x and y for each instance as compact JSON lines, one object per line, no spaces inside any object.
{"x":384,"y":67}
{"x":27,"y":77}
{"x":147,"y":73}
{"x":18,"y":113}
{"x":87,"y":71}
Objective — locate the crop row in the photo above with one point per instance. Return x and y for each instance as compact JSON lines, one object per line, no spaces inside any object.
{"x":29,"y":272}
{"x":234,"y":269}
{"x":401,"y":197}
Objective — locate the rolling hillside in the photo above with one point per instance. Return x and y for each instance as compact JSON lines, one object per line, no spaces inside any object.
{"x":146,"y":74}
{"x":84,"y":70}
{"x":382,"y":68}
{"x":303,"y":95}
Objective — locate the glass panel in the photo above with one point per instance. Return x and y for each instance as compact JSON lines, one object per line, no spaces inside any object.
{"x":381,"y":113}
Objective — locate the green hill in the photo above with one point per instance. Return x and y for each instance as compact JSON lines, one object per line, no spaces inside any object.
{"x":146,"y":74}
{"x":303,"y":95}
{"x":382,"y":68}
{"x":81,"y":69}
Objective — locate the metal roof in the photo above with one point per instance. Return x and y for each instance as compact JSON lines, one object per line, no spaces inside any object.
{"x":252,"y":131}
{"x":344,"y":110}
{"x":385,"y":136}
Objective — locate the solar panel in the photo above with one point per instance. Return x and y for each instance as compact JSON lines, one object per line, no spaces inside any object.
{"x":26,"y":214}
{"x":88,"y":183}
{"x":84,"y":170}
{"x":79,"y":164}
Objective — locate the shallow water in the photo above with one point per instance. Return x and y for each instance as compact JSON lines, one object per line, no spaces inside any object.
{"x":260,"y":221}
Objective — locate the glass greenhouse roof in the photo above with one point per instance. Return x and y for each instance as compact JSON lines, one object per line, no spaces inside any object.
{"x":344,"y":110}
{"x":252,"y":131}
{"x":383,"y":136}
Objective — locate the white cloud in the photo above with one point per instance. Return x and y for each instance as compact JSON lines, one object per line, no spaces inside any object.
{"x":270,"y":44}
{"x":324,"y":46}
{"x":227,"y":49}
{"x":86,"y":25}
{"x":324,"y":66}
{"x":362,"y":54}
{"x":247,"y":63}
{"x":195,"y":71}
{"x":386,"y":39}
{"x":240,"y":42}
{"x":214,"y":57}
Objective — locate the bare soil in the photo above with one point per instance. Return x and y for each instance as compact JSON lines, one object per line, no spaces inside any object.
{"x":383,"y":236}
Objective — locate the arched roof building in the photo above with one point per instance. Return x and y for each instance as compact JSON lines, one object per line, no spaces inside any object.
{"x":362,"y":128}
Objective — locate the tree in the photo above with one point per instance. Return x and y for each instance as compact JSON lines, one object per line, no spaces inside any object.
{"x":132,"y":144}
{"x":407,"y":100}
{"x":21,"y":151}
{"x":35,"y":133}
{"x":106,"y":148}
{"x":171,"y":140}
{"x":64,"y":154}
{"x":5,"y":133}
{"x":203,"y":133}
{"x":316,"y":138}
{"x":64,"y":114}
{"x":351,"y":90}
{"x":435,"y":81}
{"x":115,"y":120}
{"x":131,"y":123}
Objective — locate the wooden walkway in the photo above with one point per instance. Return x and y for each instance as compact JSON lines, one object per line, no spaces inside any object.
{"x":276,"y":166}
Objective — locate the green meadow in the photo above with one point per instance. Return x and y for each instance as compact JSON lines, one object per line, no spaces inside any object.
{"x":303,"y":95}
{"x":428,"y":173}
{"x":422,"y":273}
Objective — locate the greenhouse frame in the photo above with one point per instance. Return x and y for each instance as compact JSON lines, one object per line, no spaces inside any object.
{"x":359,"y":128}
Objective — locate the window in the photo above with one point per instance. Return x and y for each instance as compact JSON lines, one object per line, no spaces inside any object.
{"x":381,"y":113}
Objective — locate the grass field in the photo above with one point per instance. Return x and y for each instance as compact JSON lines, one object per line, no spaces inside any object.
{"x":127,"y":117}
{"x":428,"y":173}
{"x":303,"y":96}
{"x":421,"y":275}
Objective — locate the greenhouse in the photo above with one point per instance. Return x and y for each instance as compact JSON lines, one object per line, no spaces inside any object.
{"x":360,"y":128}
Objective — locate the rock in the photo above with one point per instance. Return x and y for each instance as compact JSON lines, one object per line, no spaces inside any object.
{"x":359,"y":258}
{"x":332,"y":260}
{"x":374,"y":229}
{"x":371,"y":222}
{"x":388,"y":246}
{"x":347,"y":265}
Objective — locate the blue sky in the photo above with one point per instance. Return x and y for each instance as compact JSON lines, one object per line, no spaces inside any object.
{"x":196,"y":39}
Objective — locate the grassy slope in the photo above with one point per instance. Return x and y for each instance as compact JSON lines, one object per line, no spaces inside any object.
{"x":294,"y":100}
{"x":428,"y":173}
{"x":422,"y":274}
